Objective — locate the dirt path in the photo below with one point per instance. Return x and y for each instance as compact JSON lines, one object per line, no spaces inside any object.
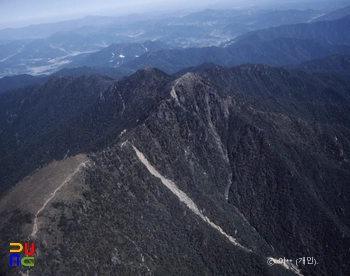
{"x":69,"y":177}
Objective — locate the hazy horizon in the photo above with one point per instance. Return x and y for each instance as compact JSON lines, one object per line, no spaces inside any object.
{"x":22,"y":13}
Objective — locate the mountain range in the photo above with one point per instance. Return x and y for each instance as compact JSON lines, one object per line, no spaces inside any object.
{"x":290,"y":44}
{"x":285,"y":45}
{"x":209,"y":143}
{"x":76,"y":42}
{"x":183,"y":174}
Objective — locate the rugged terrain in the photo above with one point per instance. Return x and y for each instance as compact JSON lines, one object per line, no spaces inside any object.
{"x":114,"y":41}
{"x":205,"y":173}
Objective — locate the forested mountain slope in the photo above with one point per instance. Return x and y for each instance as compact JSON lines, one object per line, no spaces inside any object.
{"x":210,"y":172}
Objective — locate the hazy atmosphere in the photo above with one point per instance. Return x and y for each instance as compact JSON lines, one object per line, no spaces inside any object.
{"x":20,"y":13}
{"x":175,"y":137}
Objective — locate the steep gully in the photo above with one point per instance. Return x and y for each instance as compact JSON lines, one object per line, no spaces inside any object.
{"x":172,"y":187}
{"x":194,"y":208}
{"x":188,"y":201}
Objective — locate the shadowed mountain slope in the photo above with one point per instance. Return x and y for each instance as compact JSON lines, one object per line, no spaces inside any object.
{"x":335,"y":63}
{"x":13,"y":82}
{"x":179,"y":168}
{"x":70,"y":115}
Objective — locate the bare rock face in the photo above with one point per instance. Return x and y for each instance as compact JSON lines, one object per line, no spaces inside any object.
{"x":207,"y":173}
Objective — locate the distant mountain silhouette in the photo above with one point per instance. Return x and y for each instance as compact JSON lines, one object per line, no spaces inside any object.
{"x":289,"y":44}
{"x":333,"y":15}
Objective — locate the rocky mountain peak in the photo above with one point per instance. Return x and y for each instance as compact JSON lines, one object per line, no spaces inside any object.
{"x":215,"y":168}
